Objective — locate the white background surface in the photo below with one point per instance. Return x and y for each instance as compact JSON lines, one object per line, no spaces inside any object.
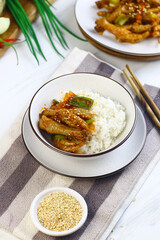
{"x":18,"y":83}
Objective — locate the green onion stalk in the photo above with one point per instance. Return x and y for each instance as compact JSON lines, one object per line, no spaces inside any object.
{"x":50,"y":22}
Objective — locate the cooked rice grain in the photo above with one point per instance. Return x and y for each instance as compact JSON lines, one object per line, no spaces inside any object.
{"x":109,"y":120}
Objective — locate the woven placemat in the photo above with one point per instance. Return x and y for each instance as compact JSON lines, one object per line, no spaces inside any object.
{"x":22,"y":178}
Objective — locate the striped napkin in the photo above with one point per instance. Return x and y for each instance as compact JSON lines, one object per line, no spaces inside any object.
{"x":22,"y":178}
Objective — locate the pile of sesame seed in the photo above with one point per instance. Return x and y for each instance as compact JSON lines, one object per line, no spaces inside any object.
{"x":59,"y":211}
{"x":136,"y":8}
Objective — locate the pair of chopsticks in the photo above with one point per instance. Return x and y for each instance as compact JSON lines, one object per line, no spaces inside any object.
{"x":143,"y":96}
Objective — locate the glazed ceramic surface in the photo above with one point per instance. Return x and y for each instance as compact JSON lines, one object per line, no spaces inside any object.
{"x":101,"y":165}
{"x":87,"y":82}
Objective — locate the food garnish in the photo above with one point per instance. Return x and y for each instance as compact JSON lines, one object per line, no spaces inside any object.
{"x":54,"y":102}
{"x":130,"y":21}
{"x":89,"y":121}
{"x":59,"y":211}
{"x":58,"y":136}
{"x":82,"y":102}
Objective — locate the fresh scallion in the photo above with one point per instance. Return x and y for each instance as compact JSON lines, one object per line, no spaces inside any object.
{"x":48,"y":25}
{"x":25,"y":25}
{"x":50,"y":21}
{"x":52,"y":17}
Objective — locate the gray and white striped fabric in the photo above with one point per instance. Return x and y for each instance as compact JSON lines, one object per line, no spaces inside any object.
{"x":22,"y":178}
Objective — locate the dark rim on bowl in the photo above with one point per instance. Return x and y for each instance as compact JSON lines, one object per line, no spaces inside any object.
{"x":75,"y":154}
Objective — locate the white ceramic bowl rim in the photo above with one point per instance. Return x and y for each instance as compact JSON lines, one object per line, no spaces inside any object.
{"x":41,"y":195}
{"x":74,"y":154}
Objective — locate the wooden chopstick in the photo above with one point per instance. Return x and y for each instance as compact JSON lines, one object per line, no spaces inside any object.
{"x":142,"y":99}
{"x":145,"y":93}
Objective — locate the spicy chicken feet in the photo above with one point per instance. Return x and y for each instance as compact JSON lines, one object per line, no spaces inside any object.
{"x":121,"y":33}
{"x":54,"y":127}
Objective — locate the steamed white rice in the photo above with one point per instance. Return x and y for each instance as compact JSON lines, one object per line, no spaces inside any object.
{"x":109,"y":120}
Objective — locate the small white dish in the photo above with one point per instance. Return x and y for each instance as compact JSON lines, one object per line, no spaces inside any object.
{"x":43,"y":194}
{"x":101,"y":166}
{"x":74,"y":82}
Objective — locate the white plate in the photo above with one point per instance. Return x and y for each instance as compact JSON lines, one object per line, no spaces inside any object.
{"x":100,"y":166}
{"x":86,"y":14}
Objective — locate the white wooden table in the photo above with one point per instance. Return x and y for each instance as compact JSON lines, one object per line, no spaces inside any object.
{"x":18,"y":83}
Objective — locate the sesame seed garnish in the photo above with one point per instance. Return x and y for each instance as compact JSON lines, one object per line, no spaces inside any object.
{"x":59,"y":211}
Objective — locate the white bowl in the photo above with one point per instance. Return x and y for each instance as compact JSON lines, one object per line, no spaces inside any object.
{"x":82,"y":81}
{"x":43,"y":194}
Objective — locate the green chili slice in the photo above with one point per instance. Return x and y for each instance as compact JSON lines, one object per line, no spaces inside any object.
{"x":89,"y":121}
{"x":107,"y":15}
{"x":81,"y":102}
{"x":59,"y":136}
{"x":54,"y":101}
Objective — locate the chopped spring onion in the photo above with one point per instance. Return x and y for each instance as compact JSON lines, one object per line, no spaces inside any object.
{"x":59,"y":136}
{"x":121,"y":19}
{"x":113,"y":3}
